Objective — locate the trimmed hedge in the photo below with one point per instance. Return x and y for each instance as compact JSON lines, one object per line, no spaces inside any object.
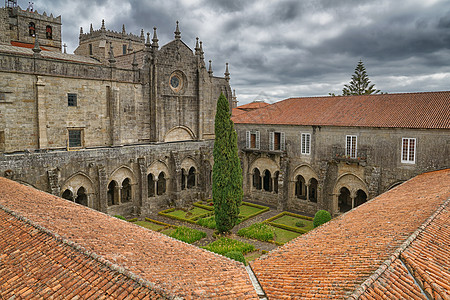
{"x":321,"y":217}
{"x":286,"y":227}
{"x":119,"y":217}
{"x":192,"y":221}
{"x":132,"y":220}
{"x":224,"y":245}
{"x":187,"y":235}
{"x":201,"y":205}
{"x":258,"y":231}
{"x":236,"y":255}
{"x":159,"y":223}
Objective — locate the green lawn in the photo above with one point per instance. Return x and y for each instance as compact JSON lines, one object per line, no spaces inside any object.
{"x":283,"y":236}
{"x":252,"y":256}
{"x":291,"y":221}
{"x":247,"y":210}
{"x":224,"y":245}
{"x":149,"y":225}
{"x":191,"y":214}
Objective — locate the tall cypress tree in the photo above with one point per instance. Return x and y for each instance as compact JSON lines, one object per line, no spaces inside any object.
{"x":227,"y":172}
{"x":360,"y":83}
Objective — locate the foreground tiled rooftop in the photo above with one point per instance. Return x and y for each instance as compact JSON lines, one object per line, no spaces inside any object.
{"x":409,"y":110}
{"x":380,"y":250}
{"x":172,"y":267}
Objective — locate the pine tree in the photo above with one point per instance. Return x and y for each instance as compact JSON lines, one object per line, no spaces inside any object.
{"x":360,"y":83}
{"x":227,"y":172}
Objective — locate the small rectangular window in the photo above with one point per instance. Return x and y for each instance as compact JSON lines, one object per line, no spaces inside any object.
{"x":350,"y":146}
{"x":90,"y":49}
{"x":252,"y":139}
{"x":75,"y":138}
{"x":124,"y":49}
{"x":408,"y":150}
{"x":72,"y":99}
{"x":306,"y":143}
{"x":276,"y":141}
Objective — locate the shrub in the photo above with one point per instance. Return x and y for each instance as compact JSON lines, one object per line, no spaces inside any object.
{"x":119,"y":217}
{"x":132,"y":220}
{"x":259,"y":231}
{"x":188,"y":235}
{"x":208,"y":222}
{"x":321,"y":217}
{"x":300,"y":224}
{"x":236,"y":255}
{"x":224,"y":245}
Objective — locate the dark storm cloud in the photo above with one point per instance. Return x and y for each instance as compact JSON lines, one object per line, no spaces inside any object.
{"x":278,"y":49}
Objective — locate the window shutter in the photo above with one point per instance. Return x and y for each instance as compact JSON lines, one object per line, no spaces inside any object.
{"x":271,"y":140}
{"x":247,"y":139}
{"x":282,"y":141}
{"x":257,"y":140}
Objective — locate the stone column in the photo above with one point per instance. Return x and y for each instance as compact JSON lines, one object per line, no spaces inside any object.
{"x":115,"y":117}
{"x":155,"y":184}
{"x":307,"y":191}
{"x":102,"y":189}
{"x":143,"y":195}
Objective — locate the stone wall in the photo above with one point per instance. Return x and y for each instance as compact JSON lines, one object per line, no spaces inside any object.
{"x":93,"y":169}
{"x":377,"y":167}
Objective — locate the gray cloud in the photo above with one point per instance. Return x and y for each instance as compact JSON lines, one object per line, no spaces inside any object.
{"x":290,"y":48}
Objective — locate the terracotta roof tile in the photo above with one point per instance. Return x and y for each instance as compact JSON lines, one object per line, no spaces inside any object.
{"x":409,"y":110}
{"x":334,"y":260}
{"x":174,"y":267}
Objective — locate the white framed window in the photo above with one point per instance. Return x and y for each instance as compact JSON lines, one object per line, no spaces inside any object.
{"x":306,"y":143}
{"x":351,"y":146}
{"x":409,"y":150}
{"x":277,"y":141}
{"x":252,"y":139}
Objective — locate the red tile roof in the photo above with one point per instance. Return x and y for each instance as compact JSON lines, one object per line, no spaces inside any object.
{"x":37,"y":264}
{"x":253,"y":105}
{"x":370,"y":244}
{"x":411,"y":110}
{"x":26,"y":45}
{"x":174,"y":267}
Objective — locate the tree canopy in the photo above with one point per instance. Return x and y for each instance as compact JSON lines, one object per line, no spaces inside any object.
{"x":227,"y":172}
{"x":360,"y":83}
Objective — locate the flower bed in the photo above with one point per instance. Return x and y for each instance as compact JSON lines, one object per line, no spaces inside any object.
{"x":287,"y":221}
{"x":224,"y":245}
{"x":258,"y":231}
{"x":187,"y":235}
{"x":190,"y":216}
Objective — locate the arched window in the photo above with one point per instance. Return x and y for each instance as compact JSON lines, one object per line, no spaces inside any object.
{"x":313,"y":190}
{"x":49,"y":32}
{"x":112,"y":193}
{"x":344,"y":200}
{"x":126,"y":190}
{"x":191,"y":178}
{"x":361,"y":198}
{"x":267,"y":181}
{"x":150,"y":185}
{"x":257,"y":179}
{"x":67,"y":194}
{"x":32,"y":29}
{"x":81,"y":197}
{"x":275,"y":182}
{"x":161,"y":187}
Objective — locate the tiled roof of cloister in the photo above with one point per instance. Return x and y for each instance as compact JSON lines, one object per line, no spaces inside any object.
{"x":367,"y":251}
{"x":409,"y":110}
{"x":102,"y":247}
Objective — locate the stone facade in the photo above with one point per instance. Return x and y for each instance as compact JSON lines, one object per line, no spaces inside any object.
{"x":329,"y":178}
{"x":124,"y":140}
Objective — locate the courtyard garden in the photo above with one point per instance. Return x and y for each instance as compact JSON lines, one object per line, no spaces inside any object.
{"x":259,"y":229}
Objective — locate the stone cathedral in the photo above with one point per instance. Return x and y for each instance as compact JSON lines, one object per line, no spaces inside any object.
{"x":123,"y":126}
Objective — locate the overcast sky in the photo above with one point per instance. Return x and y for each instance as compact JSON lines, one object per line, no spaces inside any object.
{"x":289,"y":48}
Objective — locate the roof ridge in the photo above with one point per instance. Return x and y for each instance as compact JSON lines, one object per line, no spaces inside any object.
{"x":396,"y":255}
{"x":91,"y":255}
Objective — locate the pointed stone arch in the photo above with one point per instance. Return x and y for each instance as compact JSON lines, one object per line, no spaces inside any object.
{"x":304,"y":183}
{"x":157,"y":179}
{"x":351,"y":183}
{"x":80,"y":182}
{"x":124,"y":187}
{"x":189,"y":173}
{"x":179,"y":133}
